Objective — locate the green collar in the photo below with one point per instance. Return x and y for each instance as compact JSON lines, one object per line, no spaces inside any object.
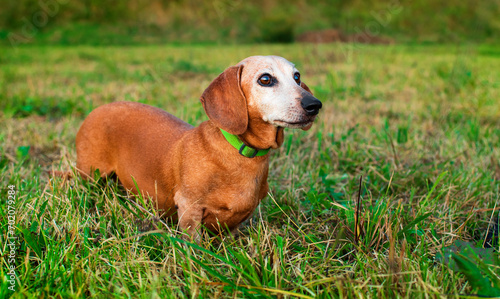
{"x":242,"y":148}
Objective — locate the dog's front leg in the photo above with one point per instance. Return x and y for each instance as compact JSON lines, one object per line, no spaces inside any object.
{"x":190,"y":216}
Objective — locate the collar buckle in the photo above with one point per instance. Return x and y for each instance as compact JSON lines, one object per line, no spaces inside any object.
{"x":255,"y":151}
{"x":241,"y":146}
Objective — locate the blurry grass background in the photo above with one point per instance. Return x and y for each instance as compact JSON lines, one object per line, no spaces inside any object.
{"x":236,"y":21}
{"x":420,"y":124}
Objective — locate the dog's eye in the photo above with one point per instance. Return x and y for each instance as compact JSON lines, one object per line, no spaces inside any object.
{"x":296,"y":77}
{"x":265,"y":80}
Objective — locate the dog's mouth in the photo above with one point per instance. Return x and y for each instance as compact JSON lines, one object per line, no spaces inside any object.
{"x":295,"y":124}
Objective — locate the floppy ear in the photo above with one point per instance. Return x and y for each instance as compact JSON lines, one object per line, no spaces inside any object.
{"x":303,"y":85}
{"x":224,"y":102}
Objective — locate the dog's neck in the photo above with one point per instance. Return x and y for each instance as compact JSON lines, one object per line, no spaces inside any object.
{"x":243,"y":149}
{"x":270,"y":137}
{"x":262,"y":135}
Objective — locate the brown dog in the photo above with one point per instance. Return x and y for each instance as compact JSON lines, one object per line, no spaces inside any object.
{"x":214,"y":174}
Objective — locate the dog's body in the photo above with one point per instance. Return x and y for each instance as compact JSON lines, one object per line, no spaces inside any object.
{"x":196,"y":172}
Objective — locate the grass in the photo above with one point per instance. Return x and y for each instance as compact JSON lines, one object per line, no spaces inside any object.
{"x":418,"y":126}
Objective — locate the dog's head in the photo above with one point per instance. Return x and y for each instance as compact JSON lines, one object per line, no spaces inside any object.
{"x":258,"y":97}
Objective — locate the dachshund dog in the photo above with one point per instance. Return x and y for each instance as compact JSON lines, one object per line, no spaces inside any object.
{"x":213,"y":175}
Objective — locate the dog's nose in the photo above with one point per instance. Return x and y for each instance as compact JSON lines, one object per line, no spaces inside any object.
{"x":311,"y":105}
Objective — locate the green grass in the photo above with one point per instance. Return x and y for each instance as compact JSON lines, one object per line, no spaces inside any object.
{"x":420,"y":125}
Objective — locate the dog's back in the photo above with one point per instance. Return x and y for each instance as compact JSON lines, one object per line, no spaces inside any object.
{"x":141,"y":129}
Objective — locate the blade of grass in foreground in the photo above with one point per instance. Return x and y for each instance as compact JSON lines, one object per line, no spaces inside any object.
{"x":253,"y":276}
